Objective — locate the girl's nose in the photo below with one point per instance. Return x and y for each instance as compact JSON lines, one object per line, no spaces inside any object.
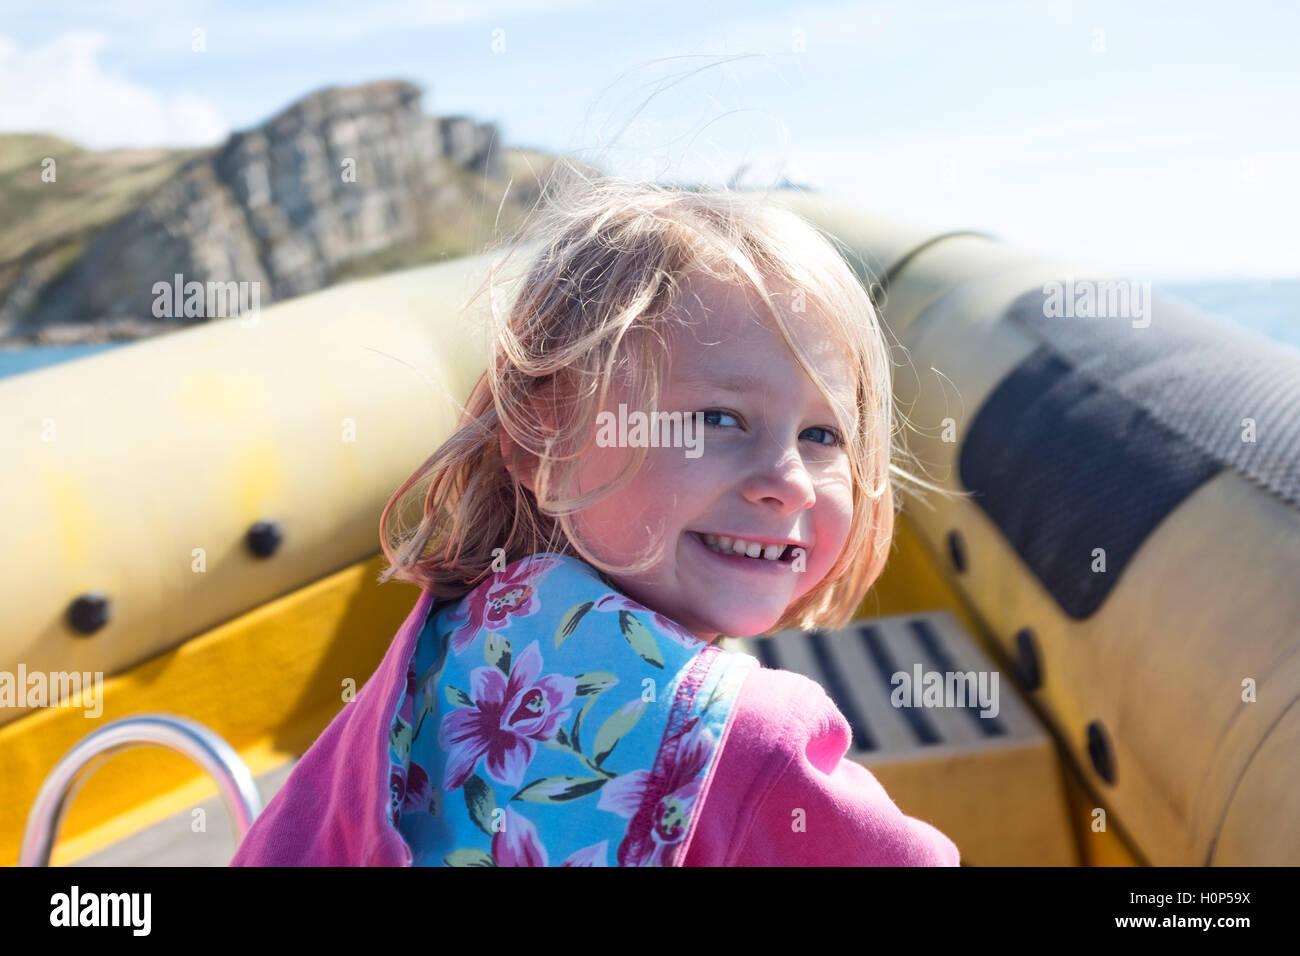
{"x":782,"y":479}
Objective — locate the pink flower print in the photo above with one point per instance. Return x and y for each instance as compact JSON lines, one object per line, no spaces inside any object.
{"x":505,"y":721}
{"x":417,"y":789}
{"x":669,"y":818}
{"x":507,"y":593}
{"x":595,"y":855}
{"x":517,"y":844}
{"x":623,"y":794}
{"x":621,"y":602}
{"x":396,"y":792}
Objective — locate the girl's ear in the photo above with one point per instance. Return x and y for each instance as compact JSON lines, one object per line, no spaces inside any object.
{"x":518,"y":461}
{"x":509,"y":452}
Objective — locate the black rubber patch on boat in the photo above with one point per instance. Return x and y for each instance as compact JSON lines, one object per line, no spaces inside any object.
{"x":1065,"y":466}
{"x":917,"y":722}
{"x":839,"y":692}
{"x":929,"y":640}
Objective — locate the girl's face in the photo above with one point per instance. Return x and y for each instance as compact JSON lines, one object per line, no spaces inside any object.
{"x":768,"y":466}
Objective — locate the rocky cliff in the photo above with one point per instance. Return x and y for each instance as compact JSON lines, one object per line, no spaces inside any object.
{"x":333,"y":180}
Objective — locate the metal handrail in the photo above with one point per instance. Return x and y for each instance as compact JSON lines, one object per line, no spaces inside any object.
{"x":186,"y":737}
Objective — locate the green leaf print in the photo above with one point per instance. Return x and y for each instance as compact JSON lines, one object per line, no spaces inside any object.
{"x":468,"y":858}
{"x":458,"y":698}
{"x":428,"y":681}
{"x":481,"y":803}
{"x":400,"y":738}
{"x":640,"y":638}
{"x":559,"y":789}
{"x":614,"y":729}
{"x":569,"y":623}
{"x":496,"y":651}
{"x":718,"y":693}
{"x":594,"y":682}
{"x":577,"y":721}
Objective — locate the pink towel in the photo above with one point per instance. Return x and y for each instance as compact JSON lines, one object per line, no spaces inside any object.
{"x":781,"y":794}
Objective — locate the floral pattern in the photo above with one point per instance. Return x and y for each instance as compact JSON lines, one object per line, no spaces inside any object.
{"x":517,"y":844}
{"x":575,"y":748}
{"x":512,"y":593}
{"x":671,"y":629}
{"x":670,"y":813}
{"x":504,"y":718}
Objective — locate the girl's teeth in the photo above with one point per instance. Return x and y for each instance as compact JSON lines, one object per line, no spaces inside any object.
{"x":748,"y":549}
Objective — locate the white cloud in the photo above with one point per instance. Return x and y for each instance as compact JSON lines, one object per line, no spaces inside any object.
{"x":161,"y":28}
{"x":60,"y":88}
{"x":1154,"y":212}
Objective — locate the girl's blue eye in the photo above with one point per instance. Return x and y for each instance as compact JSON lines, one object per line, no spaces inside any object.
{"x":712,"y":412}
{"x":834,"y":435}
{"x":835,"y":439}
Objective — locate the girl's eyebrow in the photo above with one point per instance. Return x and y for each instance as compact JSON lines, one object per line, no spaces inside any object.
{"x":732,"y":382}
{"x":738,"y":382}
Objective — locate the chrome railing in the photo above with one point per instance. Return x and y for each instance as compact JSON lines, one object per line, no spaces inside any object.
{"x":221,"y":761}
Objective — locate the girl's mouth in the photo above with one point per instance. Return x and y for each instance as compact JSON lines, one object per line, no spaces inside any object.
{"x":761,"y":563}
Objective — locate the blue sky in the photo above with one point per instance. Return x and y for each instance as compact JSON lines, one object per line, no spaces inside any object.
{"x":1157,"y":140}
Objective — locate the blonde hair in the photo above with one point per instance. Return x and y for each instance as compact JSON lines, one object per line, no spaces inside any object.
{"x":595,"y":302}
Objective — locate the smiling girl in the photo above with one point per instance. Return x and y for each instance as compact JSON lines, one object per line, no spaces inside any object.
{"x":558,"y":695}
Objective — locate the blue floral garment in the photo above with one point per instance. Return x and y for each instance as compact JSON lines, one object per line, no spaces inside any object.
{"x":550,"y":720}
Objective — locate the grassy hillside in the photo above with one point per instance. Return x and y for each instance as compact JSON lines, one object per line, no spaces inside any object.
{"x":91,"y":187}
{"x":47,"y":224}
